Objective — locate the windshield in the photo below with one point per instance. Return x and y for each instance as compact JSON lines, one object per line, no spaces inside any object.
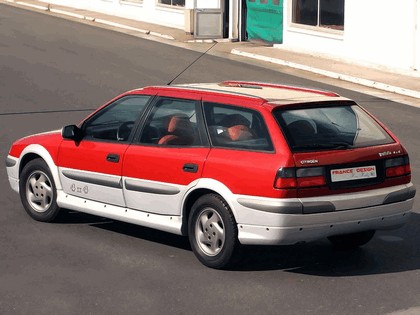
{"x":330,"y":127}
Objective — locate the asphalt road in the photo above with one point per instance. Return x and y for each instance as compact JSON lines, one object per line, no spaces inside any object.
{"x":54,"y":72}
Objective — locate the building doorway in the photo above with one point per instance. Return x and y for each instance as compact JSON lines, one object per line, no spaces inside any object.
{"x":264,"y":20}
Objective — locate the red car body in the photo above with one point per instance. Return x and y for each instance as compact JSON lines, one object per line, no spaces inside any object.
{"x":222,"y":164}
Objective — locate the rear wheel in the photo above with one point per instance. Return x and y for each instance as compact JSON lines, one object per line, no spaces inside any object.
{"x":38,"y":192}
{"x":212,"y":232}
{"x":353,"y":240}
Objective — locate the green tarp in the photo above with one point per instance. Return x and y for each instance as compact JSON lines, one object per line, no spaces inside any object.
{"x":265,"y":20}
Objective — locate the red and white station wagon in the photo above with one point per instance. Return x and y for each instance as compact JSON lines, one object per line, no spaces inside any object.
{"x":228,"y":164}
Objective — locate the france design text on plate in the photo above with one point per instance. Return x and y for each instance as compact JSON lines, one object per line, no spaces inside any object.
{"x":353,"y":173}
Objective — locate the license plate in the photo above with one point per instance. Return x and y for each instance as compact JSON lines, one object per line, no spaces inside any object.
{"x":353,"y":173}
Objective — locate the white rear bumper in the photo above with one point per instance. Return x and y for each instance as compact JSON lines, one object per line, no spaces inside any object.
{"x":309,"y":227}
{"x":269,"y":227}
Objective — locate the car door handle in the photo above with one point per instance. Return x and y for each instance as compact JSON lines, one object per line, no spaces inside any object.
{"x":190,"y":168}
{"x":114,"y":158}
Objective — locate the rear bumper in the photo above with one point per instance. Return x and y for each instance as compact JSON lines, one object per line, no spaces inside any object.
{"x":270,"y":225}
{"x":300,"y":228}
{"x":330,"y":203}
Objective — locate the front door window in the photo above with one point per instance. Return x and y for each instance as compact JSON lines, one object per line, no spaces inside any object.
{"x":115,"y":122}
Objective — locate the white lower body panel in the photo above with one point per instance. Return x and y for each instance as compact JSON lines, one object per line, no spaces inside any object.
{"x":171,"y":224}
{"x":307,"y":227}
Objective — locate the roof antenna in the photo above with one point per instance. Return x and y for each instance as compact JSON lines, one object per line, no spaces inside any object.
{"x":170,"y":82}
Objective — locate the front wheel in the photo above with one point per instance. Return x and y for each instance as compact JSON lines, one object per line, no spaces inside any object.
{"x":37,"y":191}
{"x":353,"y":240}
{"x":212,"y":232}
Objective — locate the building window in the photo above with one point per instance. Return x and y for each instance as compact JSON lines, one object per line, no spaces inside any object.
{"x":319,"y":13}
{"x":175,"y":3}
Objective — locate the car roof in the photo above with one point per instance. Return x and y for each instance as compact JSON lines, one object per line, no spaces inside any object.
{"x":275,"y":94}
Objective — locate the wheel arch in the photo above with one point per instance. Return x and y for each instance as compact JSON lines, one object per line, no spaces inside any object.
{"x":26,"y":159}
{"x":189,"y":201}
{"x":36,"y":151}
{"x":201,"y":189}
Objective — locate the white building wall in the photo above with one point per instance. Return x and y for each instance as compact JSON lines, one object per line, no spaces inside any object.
{"x":376,"y":32}
{"x":151,"y":12}
{"x":234,"y":19}
{"x":147,"y":11}
{"x":208,"y":4}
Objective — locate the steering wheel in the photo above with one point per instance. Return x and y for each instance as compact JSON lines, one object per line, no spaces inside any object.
{"x":124,"y":130}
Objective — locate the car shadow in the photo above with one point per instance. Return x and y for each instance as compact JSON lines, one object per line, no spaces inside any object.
{"x":144,"y":233}
{"x":74,"y":217}
{"x":388,"y":252}
{"x":136,"y":231}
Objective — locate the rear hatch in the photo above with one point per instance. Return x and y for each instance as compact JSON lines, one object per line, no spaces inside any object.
{"x":339,"y":147}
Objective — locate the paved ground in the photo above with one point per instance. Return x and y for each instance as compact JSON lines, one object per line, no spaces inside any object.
{"x":404,"y":85}
{"x":88,"y":265}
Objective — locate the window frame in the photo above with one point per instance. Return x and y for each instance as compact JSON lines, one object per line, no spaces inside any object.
{"x":170,"y":6}
{"x":201,"y":129}
{"x":279,"y":111}
{"x":333,"y":32}
{"x":106,"y":108}
{"x":237,"y":108}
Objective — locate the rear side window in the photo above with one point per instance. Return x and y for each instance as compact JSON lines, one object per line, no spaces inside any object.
{"x":330,"y":127}
{"x":236,"y":127}
{"x":172,"y":122}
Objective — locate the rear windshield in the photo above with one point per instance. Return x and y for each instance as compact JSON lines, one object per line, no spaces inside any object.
{"x":330,"y":127}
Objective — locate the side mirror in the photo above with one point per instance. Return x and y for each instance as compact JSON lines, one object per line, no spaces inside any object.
{"x":72,"y":132}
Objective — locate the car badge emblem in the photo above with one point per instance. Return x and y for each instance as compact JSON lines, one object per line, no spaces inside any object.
{"x":386,"y":153}
{"x":303,"y":162}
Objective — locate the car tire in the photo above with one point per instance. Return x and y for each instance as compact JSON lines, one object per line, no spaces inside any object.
{"x":38,"y":191}
{"x":351,"y":241}
{"x":213,"y":232}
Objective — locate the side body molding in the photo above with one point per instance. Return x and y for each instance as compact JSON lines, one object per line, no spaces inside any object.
{"x":104,"y":188}
{"x":153,"y":188}
{"x":103,"y":180}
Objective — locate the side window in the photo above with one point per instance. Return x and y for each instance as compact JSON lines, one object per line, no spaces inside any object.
{"x":323,"y":14}
{"x":115,"y":121}
{"x":236,"y":127}
{"x":172,"y":122}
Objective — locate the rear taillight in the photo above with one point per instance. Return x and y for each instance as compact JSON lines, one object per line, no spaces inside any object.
{"x":291,"y":177}
{"x":397,"y":167}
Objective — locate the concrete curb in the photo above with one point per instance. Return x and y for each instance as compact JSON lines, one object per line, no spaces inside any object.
{"x":344,"y":77}
{"x":48,"y":8}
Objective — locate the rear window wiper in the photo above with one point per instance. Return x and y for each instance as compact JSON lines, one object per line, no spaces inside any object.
{"x":328,"y":145}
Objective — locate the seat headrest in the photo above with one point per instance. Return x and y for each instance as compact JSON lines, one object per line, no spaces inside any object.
{"x":180,"y":132}
{"x":301,"y":127}
{"x":239,"y":132}
{"x":180,"y":126}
